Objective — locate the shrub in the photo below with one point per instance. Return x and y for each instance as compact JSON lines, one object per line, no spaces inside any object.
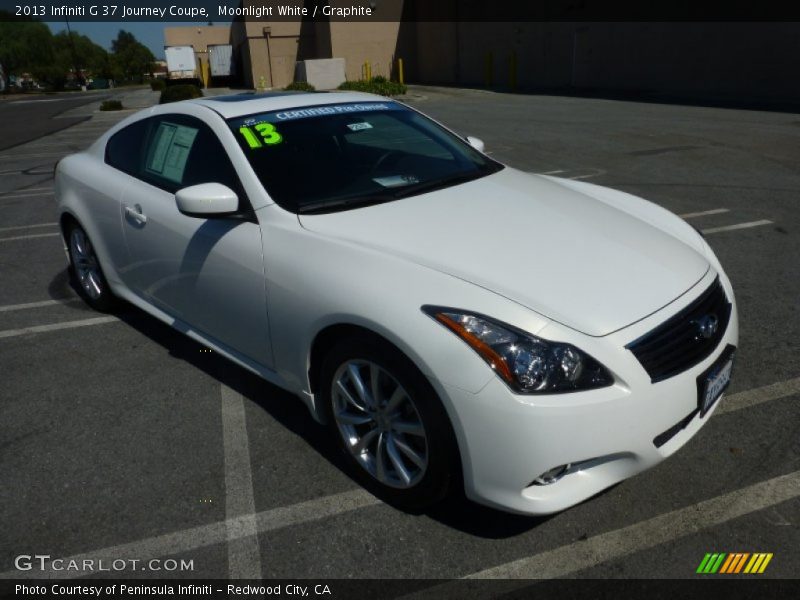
{"x":158,"y":85}
{"x":378,"y":85}
{"x":111,"y":105}
{"x":300,"y":86}
{"x":176,"y":93}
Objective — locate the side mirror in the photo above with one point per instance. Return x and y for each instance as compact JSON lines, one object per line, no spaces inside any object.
{"x":476,"y":143}
{"x":207,"y":200}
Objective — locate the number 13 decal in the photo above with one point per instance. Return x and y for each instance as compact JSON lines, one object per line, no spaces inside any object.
{"x":266,"y":135}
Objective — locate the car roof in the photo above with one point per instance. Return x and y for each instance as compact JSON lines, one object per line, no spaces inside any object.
{"x":248,"y":103}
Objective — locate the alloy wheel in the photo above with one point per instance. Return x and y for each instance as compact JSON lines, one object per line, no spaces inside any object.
{"x":85,"y":263}
{"x":379,"y":423}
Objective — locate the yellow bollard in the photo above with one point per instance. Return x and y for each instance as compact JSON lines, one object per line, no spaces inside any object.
{"x":401,"y":76}
{"x":512,"y":71}
{"x":489,"y":69}
{"x":204,"y":72}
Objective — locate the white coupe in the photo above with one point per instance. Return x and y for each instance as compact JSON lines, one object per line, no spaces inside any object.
{"x":455,"y":322}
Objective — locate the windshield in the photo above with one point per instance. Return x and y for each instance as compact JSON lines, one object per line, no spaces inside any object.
{"x":340,"y":156}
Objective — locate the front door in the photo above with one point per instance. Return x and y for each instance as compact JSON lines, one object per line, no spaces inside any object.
{"x":207,"y":272}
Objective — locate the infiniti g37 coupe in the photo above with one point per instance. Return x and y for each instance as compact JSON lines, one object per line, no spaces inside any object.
{"x":453,"y":321}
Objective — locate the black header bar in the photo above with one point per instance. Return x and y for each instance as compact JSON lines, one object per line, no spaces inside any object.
{"x":221,"y":11}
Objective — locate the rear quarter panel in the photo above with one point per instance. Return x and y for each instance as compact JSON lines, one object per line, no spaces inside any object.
{"x":90,"y":191}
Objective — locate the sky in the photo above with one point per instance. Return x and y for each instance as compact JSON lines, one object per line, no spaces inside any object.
{"x":150,"y":34}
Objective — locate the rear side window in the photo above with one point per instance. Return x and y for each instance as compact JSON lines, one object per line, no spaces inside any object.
{"x":180,"y":151}
{"x":124,"y":149}
{"x":172,"y":152}
{"x":168,"y":152}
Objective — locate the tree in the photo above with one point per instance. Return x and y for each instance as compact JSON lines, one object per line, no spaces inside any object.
{"x":131,"y":57}
{"x":79,"y":52}
{"x":26,"y":46}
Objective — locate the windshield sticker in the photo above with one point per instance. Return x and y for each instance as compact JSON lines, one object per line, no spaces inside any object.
{"x":334,"y":109}
{"x":359,"y":126}
{"x":167,"y":155}
{"x":265,"y":134}
{"x":396,"y":180}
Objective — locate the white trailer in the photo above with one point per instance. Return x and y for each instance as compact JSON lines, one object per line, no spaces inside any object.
{"x":220,"y":60}
{"x":181,"y":62}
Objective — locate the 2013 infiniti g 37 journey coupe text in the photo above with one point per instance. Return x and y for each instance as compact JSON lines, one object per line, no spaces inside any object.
{"x":454,"y":321}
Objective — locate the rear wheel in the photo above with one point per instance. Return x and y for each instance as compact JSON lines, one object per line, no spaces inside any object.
{"x":389,"y":422}
{"x":86,"y":271}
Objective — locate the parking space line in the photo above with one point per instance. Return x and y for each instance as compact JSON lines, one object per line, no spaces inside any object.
{"x":664,"y":528}
{"x":28,"y":237}
{"x":28,"y":226}
{"x":703,"y":213}
{"x":26,"y":190}
{"x":756,"y":396}
{"x":244,"y":554}
{"x":552,"y":172}
{"x":180,"y":542}
{"x":41,"y":303}
{"x":737,"y":226}
{"x":18,"y":156}
{"x":56,"y":326}
{"x":597,"y":172}
{"x":613,"y":545}
{"x":34,"y":195}
{"x":652,"y":532}
{"x":767,"y":494}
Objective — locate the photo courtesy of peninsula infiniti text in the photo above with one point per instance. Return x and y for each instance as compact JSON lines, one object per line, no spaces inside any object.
{"x":458,"y":325}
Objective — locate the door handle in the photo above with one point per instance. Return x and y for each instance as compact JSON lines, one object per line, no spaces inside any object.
{"x":136,"y":214}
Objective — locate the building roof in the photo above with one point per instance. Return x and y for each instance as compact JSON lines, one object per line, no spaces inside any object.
{"x":249,"y":103}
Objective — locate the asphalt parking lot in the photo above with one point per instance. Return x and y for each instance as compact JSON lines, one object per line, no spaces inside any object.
{"x":121,"y":439}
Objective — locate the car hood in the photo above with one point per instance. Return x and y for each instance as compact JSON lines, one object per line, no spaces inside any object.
{"x":564,"y":254}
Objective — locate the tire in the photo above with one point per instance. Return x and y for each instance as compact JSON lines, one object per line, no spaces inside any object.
{"x":410,"y":426}
{"x":85,"y":270}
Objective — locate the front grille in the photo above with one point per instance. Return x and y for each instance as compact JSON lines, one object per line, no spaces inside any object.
{"x":677,"y":344}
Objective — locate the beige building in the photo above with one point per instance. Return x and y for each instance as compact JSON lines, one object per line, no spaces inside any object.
{"x":269,"y":50}
{"x":200,"y":38}
{"x":739,"y":60}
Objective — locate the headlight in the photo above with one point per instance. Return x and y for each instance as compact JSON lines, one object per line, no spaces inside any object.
{"x":527,"y":363}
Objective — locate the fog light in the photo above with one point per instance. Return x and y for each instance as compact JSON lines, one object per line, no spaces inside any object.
{"x":552,"y":475}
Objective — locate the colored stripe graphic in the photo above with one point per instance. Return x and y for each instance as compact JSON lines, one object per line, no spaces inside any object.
{"x":711,"y":563}
{"x":734,"y":562}
{"x":727,"y":564}
{"x":765,"y":563}
{"x":738,"y":563}
{"x":703,"y":563}
{"x":741,"y":562}
{"x":758,"y":563}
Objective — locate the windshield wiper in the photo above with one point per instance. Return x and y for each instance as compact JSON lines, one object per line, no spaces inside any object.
{"x":437,"y":184}
{"x":403,"y":192}
{"x":343,"y":203}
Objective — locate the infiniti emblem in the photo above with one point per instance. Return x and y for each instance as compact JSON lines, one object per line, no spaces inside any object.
{"x":706,"y":326}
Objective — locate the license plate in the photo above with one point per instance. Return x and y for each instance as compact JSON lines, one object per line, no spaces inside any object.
{"x":714,"y":381}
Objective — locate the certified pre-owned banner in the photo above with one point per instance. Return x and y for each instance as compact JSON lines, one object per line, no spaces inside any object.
{"x":399,"y":10}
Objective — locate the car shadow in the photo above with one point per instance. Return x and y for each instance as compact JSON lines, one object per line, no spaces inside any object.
{"x":61,"y":287}
{"x":456,"y":511}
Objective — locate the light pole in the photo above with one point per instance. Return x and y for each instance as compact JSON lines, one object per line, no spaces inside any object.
{"x":78,"y":75}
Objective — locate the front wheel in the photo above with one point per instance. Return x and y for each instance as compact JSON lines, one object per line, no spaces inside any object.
{"x":389,"y":422}
{"x":86,"y":271}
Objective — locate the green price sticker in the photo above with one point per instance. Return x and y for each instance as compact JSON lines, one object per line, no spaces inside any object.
{"x":260,"y":135}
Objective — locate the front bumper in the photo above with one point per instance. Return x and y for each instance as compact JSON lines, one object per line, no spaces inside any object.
{"x":507,"y":440}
